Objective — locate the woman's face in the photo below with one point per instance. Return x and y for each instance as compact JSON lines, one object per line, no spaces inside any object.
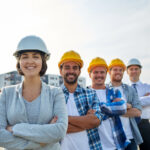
{"x":30,"y":63}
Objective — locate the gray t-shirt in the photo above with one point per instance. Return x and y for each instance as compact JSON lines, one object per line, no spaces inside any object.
{"x":32,"y":109}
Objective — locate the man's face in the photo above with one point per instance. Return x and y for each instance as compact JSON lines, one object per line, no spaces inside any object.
{"x":134,"y":72}
{"x":98,"y":76}
{"x":70,"y":72}
{"x":116,"y":74}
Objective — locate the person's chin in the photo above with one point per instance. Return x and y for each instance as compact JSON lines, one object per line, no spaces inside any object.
{"x":31,"y":74}
{"x":119,"y":80}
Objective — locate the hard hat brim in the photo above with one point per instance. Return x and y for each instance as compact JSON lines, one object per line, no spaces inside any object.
{"x":19,"y":52}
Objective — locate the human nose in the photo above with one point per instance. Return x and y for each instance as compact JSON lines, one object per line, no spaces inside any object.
{"x":30,"y":60}
{"x":98,"y":74}
{"x":71,"y":69}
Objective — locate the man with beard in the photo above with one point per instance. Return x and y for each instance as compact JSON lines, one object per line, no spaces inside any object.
{"x":116,"y":70}
{"x":134,"y":71}
{"x":83,"y":107}
{"x":111,"y":131}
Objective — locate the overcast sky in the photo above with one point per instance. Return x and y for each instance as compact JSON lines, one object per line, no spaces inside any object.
{"x":105,"y":28}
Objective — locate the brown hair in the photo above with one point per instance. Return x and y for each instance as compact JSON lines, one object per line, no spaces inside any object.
{"x":44,"y":65}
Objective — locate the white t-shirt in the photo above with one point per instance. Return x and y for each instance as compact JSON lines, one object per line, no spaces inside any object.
{"x":125,"y":120}
{"x":78,"y":140}
{"x":142,"y":89}
{"x":104,"y":129}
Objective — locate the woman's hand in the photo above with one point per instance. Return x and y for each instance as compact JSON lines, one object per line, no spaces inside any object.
{"x":43,"y":144}
{"x":54,"y":120}
{"x":9,"y":128}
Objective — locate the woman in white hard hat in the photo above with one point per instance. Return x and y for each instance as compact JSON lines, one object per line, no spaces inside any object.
{"x":32,"y":114}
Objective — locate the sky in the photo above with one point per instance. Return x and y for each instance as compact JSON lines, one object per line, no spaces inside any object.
{"x":94,"y":28}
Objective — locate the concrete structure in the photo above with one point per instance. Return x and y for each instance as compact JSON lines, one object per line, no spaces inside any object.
{"x":12,"y":78}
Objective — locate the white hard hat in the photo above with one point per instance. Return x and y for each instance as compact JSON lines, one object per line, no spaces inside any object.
{"x":134,"y":61}
{"x":31,"y":43}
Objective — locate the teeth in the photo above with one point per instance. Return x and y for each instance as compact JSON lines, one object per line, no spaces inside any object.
{"x":30,"y":68}
{"x":71,"y":75}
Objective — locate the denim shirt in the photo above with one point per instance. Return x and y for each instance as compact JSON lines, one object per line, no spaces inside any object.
{"x":29,"y":136}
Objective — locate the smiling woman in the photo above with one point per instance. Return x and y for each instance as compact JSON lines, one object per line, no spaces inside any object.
{"x":33,"y":115}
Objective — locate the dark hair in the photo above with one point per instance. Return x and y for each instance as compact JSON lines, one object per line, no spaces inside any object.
{"x":44,"y":65}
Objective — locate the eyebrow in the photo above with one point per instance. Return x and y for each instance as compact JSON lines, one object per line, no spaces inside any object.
{"x":35,"y":53}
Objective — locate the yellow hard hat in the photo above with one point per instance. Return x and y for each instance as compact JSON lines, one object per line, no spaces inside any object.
{"x":97,"y":62}
{"x":71,"y":56}
{"x":117,"y":62}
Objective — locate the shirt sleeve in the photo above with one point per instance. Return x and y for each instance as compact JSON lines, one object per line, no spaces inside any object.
{"x":96,"y":107}
{"x":46,"y":133}
{"x":111,"y":108}
{"x":7,"y":140}
{"x":145,"y":100}
{"x":114,"y":108}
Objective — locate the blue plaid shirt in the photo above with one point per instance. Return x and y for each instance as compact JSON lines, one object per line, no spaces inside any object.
{"x":120,"y":138}
{"x":86,"y":99}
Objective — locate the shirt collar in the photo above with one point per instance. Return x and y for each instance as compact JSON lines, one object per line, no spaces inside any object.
{"x":111,"y":86}
{"x":65,"y":90}
{"x":20,"y":87}
{"x":137,"y":83}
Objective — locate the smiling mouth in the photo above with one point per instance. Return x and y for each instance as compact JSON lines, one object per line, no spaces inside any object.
{"x":30,"y":67}
{"x":118,"y":75}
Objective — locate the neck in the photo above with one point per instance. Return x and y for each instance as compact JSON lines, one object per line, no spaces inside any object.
{"x":98,"y":87}
{"x":134,"y":79}
{"x":71,"y":87}
{"x":32,"y":82}
{"x":115,"y":84}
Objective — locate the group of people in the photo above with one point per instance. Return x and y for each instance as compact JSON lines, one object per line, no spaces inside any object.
{"x":34,"y":115}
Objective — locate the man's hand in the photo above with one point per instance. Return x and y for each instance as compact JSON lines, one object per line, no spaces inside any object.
{"x":129,"y":106}
{"x":147,"y":94}
{"x":80,"y":123}
{"x":91,"y":111}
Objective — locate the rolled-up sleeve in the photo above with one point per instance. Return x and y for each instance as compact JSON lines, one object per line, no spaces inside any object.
{"x":96,"y":107}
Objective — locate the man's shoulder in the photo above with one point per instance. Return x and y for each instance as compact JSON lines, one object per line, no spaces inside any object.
{"x":127,"y":87}
{"x":145,"y":84}
{"x":87,"y":90}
